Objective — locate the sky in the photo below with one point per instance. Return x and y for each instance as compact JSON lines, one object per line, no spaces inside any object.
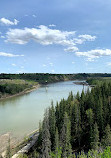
{"x":55,"y":36}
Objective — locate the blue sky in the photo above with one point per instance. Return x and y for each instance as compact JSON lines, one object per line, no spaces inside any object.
{"x":55,"y":36}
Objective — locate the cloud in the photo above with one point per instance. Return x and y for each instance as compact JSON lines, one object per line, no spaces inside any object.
{"x":71,"y":49}
{"x":42,"y":35}
{"x":34,"y":15}
{"x":9,"y":54}
{"x":52,"y":25}
{"x":13,"y":64}
{"x":44,"y":65}
{"x":109,"y":64}
{"x":47,"y":36}
{"x":83,"y":38}
{"x":51,"y":64}
{"x":73,"y":62}
{"x":8,"y":22}
{"x":94,"y":54}
{"x":87,"y":37}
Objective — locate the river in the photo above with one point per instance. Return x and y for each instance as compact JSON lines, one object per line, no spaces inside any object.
{"x":20,"y":115}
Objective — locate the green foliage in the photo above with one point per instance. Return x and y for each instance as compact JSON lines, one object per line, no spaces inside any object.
{"x":58,"y":153}
{"x":11,"y":87}
{"x":52,"y":127}
{"x":66,"y":137}
{"x":106,"y":153}
{"x":95,"y":138}
{"x":106,"y":140}
{"x":79,"y":122}
{"x":46,"y":143}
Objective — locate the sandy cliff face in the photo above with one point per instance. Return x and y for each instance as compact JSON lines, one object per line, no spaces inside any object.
{"x":4,"y":142}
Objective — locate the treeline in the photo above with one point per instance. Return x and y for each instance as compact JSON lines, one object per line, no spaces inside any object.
{"x":81,"y":122}
{"x":42,"y":78}
{"x":98,"y":81}
{"x":49,"y":78}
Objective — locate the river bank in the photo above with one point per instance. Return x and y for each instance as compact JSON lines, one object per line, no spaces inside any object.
{"x":21,"y":115}
{"x":17,"y":146}
{"x":81,"y":83}
{"x":28,"y":90}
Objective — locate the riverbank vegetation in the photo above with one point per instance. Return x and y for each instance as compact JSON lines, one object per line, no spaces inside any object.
{"x":98,"y":81}
{"x":79,"y":126}
{"x":44,"y":78}
{"x":13,"y":84}
{"x":10,"y":87}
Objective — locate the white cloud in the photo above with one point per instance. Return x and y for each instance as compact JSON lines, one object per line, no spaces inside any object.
{"x":87,"y":37}
{"x":51,"y":64}
{"x":109,"y":64}
{"x":71,"y":49}
{"x":8,"y":22}
{"x":42,"y":35}
{"x":52,"y":25}
{"x":83,"y":38}
{"x":9,"y":54}
{"x":73,"y":62}
{"x":44,"y":65}
{"x":47,"y":36}
{"x":94,"y":54}
{"x":34,"y":15}
{"x":13,"y":64}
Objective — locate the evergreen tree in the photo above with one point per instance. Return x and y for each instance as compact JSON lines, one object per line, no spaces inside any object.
{"x":46,"y":143}
{"x":76,"y":124}
{"x":52,"y":124}
{"x":65,"y":137}
{"x":57,"y":145}
{"x":106,"y":140}
{"x":95,"y":137}
{"x":100,"y":114}
{"x":90,"y":115}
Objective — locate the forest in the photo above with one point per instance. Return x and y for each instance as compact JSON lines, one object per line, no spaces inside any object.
{"x":79,"y":126}
{"x":44,"y":78}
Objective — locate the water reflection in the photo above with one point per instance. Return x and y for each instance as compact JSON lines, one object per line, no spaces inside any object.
{"x":21,"y":115}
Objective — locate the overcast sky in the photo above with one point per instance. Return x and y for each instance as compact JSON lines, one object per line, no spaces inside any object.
{"x":55,"y":36}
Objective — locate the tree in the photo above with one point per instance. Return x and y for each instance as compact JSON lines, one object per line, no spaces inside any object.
{"x":76,"y":124}
{"x":95,"y":137}
{"x":65,"y":137}
{"x":100,"y":114}
{"x":90,"y":116}
{"x":58,"y":151}
{"x":46,"y":143}
{"x":52,"y":125}
{"x":106,"y":140}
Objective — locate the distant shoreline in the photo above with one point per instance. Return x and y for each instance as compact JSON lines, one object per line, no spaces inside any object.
{"x":81,"y":83}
